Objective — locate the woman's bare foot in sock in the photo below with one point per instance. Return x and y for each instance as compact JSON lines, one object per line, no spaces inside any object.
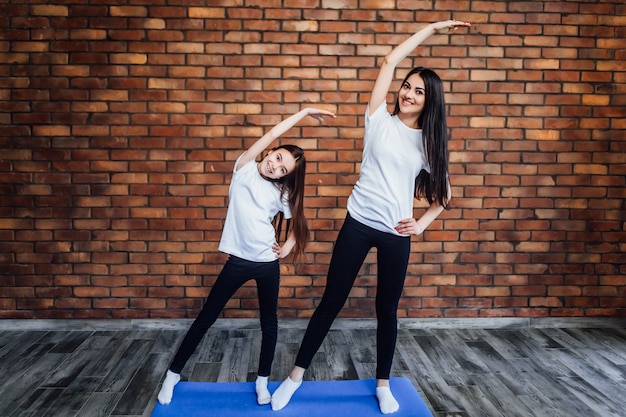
{"x":287,"y":388}
{"x":386,"y":401}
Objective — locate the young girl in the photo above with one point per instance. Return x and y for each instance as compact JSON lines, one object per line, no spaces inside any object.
{"x":258,"y":191}
{"x":404,"y":156}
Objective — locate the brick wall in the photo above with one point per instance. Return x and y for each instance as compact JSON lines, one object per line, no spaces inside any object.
{"x":120,"y":122}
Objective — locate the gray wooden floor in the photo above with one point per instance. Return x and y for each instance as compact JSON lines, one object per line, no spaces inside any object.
{"x":505,"y":371}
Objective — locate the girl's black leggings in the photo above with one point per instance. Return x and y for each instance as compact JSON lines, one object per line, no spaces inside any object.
{"x":235,"y":273}
{"x":353,"y":243}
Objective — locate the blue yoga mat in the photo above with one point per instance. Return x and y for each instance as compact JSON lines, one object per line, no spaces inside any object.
{"x":313,"y":399}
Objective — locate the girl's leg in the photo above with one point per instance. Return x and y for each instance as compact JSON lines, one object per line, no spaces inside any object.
{"x":350,"y":249}
{"x":234,"y":274}
{"x":393,"y":256}
{"x":268,"y":282}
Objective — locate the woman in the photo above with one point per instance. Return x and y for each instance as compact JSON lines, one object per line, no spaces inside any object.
{"x":404,"y":156}
{"x":258,"y":192}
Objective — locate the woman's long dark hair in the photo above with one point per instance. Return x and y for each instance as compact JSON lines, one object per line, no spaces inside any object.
{"x":432,"y":121}
{"x":293,"y":185}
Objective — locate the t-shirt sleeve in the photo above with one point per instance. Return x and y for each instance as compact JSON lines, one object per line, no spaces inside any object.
{"x":375,"y":118}
{"x":376,"y":114}
{"x":244,"y":168}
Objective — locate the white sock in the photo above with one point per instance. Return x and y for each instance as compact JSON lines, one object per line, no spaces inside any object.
{"x":262,"y":394}
{"x":283,"y":393}
{"x":386,"y":400}
{"x":167,"y":389}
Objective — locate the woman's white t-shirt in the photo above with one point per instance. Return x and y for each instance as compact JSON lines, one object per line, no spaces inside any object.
{"x":253,"y":202}
{"x":393,"y":156}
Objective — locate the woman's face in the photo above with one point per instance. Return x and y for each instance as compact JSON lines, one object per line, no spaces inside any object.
{"x":278,"y":163}
{"x":412,"y":95}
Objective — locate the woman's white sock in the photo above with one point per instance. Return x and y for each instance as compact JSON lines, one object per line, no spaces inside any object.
{"x":167,"y":389}
{"x":283,"y":393}
{"x":386,"y":400}
{"x":262,"y":394}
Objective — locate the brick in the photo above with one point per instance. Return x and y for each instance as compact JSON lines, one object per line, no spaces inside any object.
{"x":41,"y":10}
{"x":137,"y":11}
{"x":206,"y":12}
{"x":147,"y":303}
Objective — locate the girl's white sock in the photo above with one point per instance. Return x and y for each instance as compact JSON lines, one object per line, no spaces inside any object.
{"x":262,"y":394}
{"x":386,"y":400}
{"x":283,"y":393}
{"x":167,"y":389}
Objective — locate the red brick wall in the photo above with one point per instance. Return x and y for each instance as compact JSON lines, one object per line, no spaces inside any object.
{"x":119,"y":125}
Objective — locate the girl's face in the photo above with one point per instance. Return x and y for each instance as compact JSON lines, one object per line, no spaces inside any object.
{"x":278,"y":163}
{"x":412,"y":95}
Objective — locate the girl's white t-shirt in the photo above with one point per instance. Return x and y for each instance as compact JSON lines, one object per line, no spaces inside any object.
{"x":393,"y":156}
{"x":253,"y":202}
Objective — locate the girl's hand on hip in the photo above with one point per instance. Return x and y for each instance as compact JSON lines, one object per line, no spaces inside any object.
{"x":448,"y":25}
{"x":280,"y":252}
{"x":409,"y":227}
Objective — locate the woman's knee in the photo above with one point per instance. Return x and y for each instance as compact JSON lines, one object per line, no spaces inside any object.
{"x":387,"y":316}
{"x":330,"y":305}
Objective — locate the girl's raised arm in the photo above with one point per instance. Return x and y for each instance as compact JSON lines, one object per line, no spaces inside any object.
{"x":388,"y":67}
{"x":275,"y":132}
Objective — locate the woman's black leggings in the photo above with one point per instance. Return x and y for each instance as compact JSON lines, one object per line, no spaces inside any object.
{"x":235,"y":273}
{"x":353,"y":243}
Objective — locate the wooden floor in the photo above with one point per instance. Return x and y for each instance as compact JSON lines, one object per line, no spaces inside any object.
{"x":460,"y":372}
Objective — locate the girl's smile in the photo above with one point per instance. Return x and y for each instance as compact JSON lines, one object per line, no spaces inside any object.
{"x":277,"y":164}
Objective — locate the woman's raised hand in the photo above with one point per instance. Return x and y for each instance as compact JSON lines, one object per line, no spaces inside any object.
{"x":447,"y":25}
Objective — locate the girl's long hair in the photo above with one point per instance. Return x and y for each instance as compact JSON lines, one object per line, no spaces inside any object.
{"x":432,"y":121}
{"x":292,"y":184}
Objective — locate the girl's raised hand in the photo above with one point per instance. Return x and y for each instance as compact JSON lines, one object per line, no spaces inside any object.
{"x":448,"y":25}
{"x":319,"y":114}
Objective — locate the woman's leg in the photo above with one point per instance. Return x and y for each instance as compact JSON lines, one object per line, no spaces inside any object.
{"x":393,"y":256}
{"x":234,"y":274}
{"x":350,"y":249}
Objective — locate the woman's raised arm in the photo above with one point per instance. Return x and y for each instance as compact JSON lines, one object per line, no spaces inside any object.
{"x":388,"y":67}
